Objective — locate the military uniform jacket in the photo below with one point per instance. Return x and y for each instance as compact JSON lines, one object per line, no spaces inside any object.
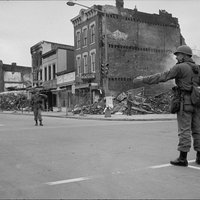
{"x":37,"y":102}
{"x":183,"y":73}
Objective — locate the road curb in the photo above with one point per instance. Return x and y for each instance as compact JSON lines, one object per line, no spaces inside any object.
{"x":85,"y":117}
{"x":112,"y":119}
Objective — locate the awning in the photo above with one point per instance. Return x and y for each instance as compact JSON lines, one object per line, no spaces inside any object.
{"x":59,"y":90}
{"x":65,"y":84}
{"x":87,"y":85}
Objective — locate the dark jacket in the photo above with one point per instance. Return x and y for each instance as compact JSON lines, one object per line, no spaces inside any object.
{"x":37,"y":101}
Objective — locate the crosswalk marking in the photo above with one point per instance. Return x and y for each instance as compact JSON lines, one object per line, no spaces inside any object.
{"x":193,"y":167}
{"x":69,"y":181}
{"x":73,"y":180}
{"x":168,"y":165}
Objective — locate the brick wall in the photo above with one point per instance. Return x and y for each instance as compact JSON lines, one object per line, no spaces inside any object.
{"x":140,"y":47}
{"x":12,"y":68}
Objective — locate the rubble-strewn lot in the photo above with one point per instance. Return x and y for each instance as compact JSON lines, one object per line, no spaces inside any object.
{"x":15,"y":100}
{"x":139,"y":103}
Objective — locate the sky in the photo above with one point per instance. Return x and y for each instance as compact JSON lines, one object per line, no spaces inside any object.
{"x":25,"y":23}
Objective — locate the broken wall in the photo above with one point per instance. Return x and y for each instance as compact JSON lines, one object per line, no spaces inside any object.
{"x":140,"y":44}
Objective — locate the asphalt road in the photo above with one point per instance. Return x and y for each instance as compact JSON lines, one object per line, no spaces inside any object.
{"x":86,"y":159}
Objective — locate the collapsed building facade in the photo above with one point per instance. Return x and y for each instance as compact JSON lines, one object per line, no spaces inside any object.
{"x":14,"y":77}
{"x":135,"y":43}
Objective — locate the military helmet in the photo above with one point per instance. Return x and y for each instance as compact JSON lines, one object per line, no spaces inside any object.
{"x":184,"y":49}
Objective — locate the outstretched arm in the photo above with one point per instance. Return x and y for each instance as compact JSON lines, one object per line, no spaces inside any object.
{"x":157,"y":78}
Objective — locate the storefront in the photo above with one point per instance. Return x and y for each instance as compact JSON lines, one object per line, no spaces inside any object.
{"x":65,"y":90}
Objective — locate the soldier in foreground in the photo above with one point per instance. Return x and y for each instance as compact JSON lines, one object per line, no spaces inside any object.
{"x":188,"y":114}
{"x":37,"y":105}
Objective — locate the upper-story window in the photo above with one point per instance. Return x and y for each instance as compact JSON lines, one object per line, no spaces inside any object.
{"x":49,"y":69}
{"x":41,"y":74}
{"x":45,"y":74}
{"x":84,"y":30}
{"x":92,"y":32}
{"x":54,"y":71}
{"x":93,"y":58}
{"x":78,"y":39}
{"x":85,"y":62}
{"x":78,"y":64}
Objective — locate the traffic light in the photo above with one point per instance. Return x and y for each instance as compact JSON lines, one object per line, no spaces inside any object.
{"x":104,"y":69}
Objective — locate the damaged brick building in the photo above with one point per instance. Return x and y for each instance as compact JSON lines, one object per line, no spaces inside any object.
{"x":136,"y":43}
{"x":141,"y":44}
{"x":14,"y":77}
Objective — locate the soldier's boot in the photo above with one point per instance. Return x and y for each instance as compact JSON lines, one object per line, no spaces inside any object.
{"x":198,"y":158}
{"x":36,"y":122}
{"x":41,"y":124}
{"x":181,"y":160}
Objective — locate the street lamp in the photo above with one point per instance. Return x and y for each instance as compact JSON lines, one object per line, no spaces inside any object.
{"x":71,"y":3}
{"x":105,"y":79}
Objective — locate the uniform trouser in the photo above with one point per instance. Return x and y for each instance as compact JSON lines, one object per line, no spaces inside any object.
{"x":189,"y":127}
{"x":37,"y":114}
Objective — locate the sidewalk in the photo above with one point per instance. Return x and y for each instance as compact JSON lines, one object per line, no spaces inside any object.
{"x":114,"y":117}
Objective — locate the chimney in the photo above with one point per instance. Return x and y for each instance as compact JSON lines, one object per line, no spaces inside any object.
{"x":14,"y":64}
{"x":120,"y":3}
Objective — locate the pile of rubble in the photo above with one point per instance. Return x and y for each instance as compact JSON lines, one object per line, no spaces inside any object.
{"x":131,"y":102}
{"x":95,"y":109}
{"x":13,"y":100}
{"x":139,"y":104}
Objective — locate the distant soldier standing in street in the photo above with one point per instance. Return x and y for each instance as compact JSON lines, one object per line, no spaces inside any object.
{"x":37,"y":105}
{"x":188,"y":114}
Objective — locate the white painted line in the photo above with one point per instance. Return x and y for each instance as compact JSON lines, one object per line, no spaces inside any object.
{"x":113,"y":173}
{"x":160,"y":166}
{"x":166,"y":165}
{"x":193,"y":167}
{"x":190,"y":161}
{"x":69,"y":181}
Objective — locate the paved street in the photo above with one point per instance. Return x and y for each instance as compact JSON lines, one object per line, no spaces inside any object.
{"x":91,"y":159}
